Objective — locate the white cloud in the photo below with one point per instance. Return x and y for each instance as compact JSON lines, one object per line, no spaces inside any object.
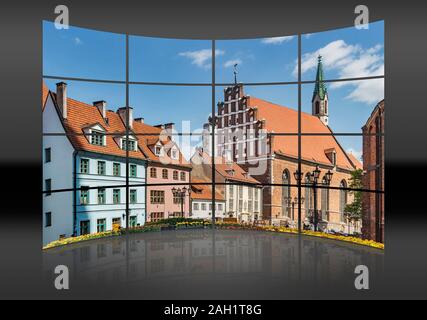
{"x":350,"y":61}
{"x":231,"y":63}
{"x":277,"y":40}
{"x":357,"y":153}
{"x":201,"y":58}
{"x":77,"y":41}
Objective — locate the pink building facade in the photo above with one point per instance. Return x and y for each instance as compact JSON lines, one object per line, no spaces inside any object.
{"x":161,"y":202}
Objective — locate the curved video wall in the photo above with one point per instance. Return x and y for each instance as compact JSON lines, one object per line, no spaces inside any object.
{"x":284,"y":131}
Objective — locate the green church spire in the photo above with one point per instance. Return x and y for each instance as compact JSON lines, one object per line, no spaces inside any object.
{"x":320,"y":87}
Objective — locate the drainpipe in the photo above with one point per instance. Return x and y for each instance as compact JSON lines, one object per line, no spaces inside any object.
{"x":75,"y":193}
{"x":145,"y":191}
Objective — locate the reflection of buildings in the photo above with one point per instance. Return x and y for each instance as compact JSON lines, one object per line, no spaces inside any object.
{"x":373,"y":179}
{"x":201,"y":201}
{"x":193,"y":257}
{"x":242,"y":201}
{"x":92,"y":156}
{"x":244,"y":125}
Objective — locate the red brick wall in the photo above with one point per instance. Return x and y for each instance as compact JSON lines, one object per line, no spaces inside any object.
{"x":373,"y":179}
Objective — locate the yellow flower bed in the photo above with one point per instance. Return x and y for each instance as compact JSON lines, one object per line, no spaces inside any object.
{"x":369,"y":243}
{"x":355,"y":240}
{"x":85,"y":237}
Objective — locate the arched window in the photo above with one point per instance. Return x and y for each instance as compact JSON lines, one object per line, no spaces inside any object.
{"x":308,"y":192}
{"x":286,"y":193}
{"x":343,"y":198}
{"x":325,"y":201}
{"x":317,"y":107}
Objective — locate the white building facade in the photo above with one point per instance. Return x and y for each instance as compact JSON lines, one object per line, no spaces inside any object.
{"x":202,"y":209}
{"x":84,"y":191}
{"x":243,"y":202}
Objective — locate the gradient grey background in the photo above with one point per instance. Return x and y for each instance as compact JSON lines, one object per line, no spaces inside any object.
{"x":20,"y":129}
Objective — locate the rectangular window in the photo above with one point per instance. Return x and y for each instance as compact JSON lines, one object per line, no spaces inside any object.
{"x":177,"y":198}
{"x":130,"y":144}
{"x":47,"y":155}
{"x":195,"y":206}
{"x":153,"y":172}
{"x":48,"y":186}
{"x":182,"y":176}
{"x":48,"y":219}
{"x":203,"y":206}
{"x":97,"y":138}
{"x":84,"y":195}
{"x":116,"y":196}
{"x":220,"y":206}
{"x":210,"y":206}
{"x":101,"y":167}
{"x":157,"y":196}
{"x":175,"y":175}
{"x":132,"y":196}
{"x":84,"y":227}
{"x":101,"y":196}
{"x":116,"y":169}
{"x":132,"y":170}
{"x":132,"y":221}
{"x":156,"y":216}
{"x":101,"y":225}
{"x":164,"y":173}
{"x":84,"y":165}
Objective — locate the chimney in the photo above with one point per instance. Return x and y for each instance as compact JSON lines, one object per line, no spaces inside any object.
{"x":140,"y":120}
{"x":102,"y":107}
{"x":170,"y":126}
{"x":122,"y":114}
{"x":61,"y":98}
{"x":160,"y":126}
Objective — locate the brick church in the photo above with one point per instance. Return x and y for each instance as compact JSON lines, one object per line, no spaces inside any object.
{"x":244,"y":128}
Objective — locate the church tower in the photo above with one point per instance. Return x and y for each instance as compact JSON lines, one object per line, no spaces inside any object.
{"x":320,"y":95}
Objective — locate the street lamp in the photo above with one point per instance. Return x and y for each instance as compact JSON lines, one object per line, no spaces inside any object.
{"x":180,"y":194}
{"x":298,"y":176}
{"x":312,"y":179}
{"x":291,"y":203}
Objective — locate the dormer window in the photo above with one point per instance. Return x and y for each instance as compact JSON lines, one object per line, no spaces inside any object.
{"x":174,"y":153}
{"x":97,"y":138}
{"x":230,"y":172}
{"x":331,"y":154}
{"x":158,"y":150}
{"x":131,"y":145}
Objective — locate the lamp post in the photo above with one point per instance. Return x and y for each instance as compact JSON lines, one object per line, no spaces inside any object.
{"x":291,"y":204}
{"x":181,"y":193}
{"x":298,"y":177}
{"x":313,"y":177}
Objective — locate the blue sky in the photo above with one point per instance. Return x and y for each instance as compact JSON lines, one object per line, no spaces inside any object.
{"x":346,"y":52}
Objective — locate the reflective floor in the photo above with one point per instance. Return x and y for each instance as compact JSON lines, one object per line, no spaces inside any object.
{"x":214,"y":264}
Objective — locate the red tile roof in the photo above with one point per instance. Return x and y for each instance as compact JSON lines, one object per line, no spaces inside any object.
{"x":228,"y":170}
{"x":81,"y":115}
{"x":280,"y":119}
{"x":204,"y":192}
{"x":45,"y":92}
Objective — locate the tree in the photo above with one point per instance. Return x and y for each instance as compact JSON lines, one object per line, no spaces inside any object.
{"x":353,"y":211}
